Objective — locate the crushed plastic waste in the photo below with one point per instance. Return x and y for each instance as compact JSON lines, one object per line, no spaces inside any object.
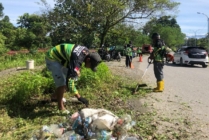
{"x":94,"y":124}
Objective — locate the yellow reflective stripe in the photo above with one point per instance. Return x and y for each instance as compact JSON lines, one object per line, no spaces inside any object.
{"x":68,"y":52}
{"x":72,"y":87}
{"x":59,"y":51}
{"x":66,"y":63}
{"x":55,"y":56}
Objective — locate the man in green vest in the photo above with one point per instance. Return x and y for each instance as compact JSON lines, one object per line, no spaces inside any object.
{"x":158,"y":56}
{"x":64,"y":61}
{"x":128,"y":54}
{"x":139,"y":52}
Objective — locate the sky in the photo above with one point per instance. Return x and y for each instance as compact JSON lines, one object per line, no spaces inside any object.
{"x":189,"y":21}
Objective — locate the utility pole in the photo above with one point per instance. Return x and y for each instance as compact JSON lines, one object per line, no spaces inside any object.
{"x":208,"y":25}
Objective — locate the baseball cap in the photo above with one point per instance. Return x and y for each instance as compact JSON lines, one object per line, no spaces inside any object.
{"x":95,"y":59}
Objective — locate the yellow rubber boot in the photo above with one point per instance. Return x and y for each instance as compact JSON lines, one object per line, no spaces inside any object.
{"x":160,"y":87}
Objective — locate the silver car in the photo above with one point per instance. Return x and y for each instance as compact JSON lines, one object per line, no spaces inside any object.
{"x":191,"y":56}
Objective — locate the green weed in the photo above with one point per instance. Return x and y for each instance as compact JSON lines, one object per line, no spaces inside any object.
{"x":19,"y":60}
{"x":22,"y":112}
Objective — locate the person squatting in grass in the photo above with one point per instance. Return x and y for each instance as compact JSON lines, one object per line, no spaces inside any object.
{"x":158,"y":55}
{"x":64,"y":61}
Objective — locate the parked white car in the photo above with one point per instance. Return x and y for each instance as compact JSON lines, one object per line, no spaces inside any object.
{"x":191,"y":56}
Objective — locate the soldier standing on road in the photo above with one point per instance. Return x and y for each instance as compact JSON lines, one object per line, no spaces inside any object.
{"x":64,"y":61}
{"x":158,"y":56}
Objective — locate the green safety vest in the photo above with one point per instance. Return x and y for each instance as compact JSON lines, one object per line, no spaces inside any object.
{"x":128,"y":51}
{"x":138,"y":51}
{"x":159,"y":53}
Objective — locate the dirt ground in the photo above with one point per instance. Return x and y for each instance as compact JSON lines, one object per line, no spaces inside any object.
{"x":177,"y":118}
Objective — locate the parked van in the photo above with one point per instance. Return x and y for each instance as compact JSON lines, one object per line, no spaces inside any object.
{"x":146,"y":48}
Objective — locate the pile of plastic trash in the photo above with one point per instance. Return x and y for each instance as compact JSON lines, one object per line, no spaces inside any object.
{"x":93,"y":124}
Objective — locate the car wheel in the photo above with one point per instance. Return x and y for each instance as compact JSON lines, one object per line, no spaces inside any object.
{"x":204,"y":66}
{"x":181,"y":61}
{"x":107,"y":58}
{"x":173,"y":62}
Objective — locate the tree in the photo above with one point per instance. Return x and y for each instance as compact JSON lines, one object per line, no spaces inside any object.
{"x":37,"y":29}
{"x":163,"y":21}
{"x":87,"y":17}
{"x":202,"y":42}
{"x":172,"y":36}
{"x":2,"y":46}
{"x":168,"y":29}
{"x":1,"y":10}
{"x":8,"y":30}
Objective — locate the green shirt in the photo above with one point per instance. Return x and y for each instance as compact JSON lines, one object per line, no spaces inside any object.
{"x":60,"y":53}
{"x":138,"y":50}
{"x":128,"y":51}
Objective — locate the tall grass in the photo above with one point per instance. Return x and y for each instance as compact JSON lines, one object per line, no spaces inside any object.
{"x":19,"y":60}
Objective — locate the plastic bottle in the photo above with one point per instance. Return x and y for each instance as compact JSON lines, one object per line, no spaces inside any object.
{"x":54,"y":128}
{"x":75,"y":137}
{"x":103,"y":135}
{"x":126,"y":118}
{"x":66,"y":135}
{"x":131,"y":138}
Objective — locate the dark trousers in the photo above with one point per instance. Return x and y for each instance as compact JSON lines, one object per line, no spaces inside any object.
{"x":158,"y":70}
{"x":128,"y":60}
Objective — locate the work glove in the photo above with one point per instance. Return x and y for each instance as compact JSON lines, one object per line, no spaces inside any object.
{"x":84,"y":101}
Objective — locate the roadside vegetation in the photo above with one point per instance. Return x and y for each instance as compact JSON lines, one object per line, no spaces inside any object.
{"x":19,"y":60}
{"x":104,"y":22}
{"x":22,"y":110}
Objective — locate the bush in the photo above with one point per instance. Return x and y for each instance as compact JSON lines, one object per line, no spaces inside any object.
{"x":90,"y":78}
{"x":24,"y":86}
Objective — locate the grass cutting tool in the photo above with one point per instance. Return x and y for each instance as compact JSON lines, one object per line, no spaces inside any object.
{"x":150,"y":61}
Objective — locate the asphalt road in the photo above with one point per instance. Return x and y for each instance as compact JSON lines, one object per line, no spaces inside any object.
{"x":188,"y":85}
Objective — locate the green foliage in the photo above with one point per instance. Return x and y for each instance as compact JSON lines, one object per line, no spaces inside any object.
{"x":98,"y":17}
{"x":33,"y":29}
{"x":24,"y":86}
{"x":22,"y":94}
{"x":19,"y":60}
{"x":8,"y":30}
{"x":92,"y":79}
{"x":172,"y":36}
{"x":1,"y":10}
{"x":2,"y":46}
{"x":168,"y":29}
